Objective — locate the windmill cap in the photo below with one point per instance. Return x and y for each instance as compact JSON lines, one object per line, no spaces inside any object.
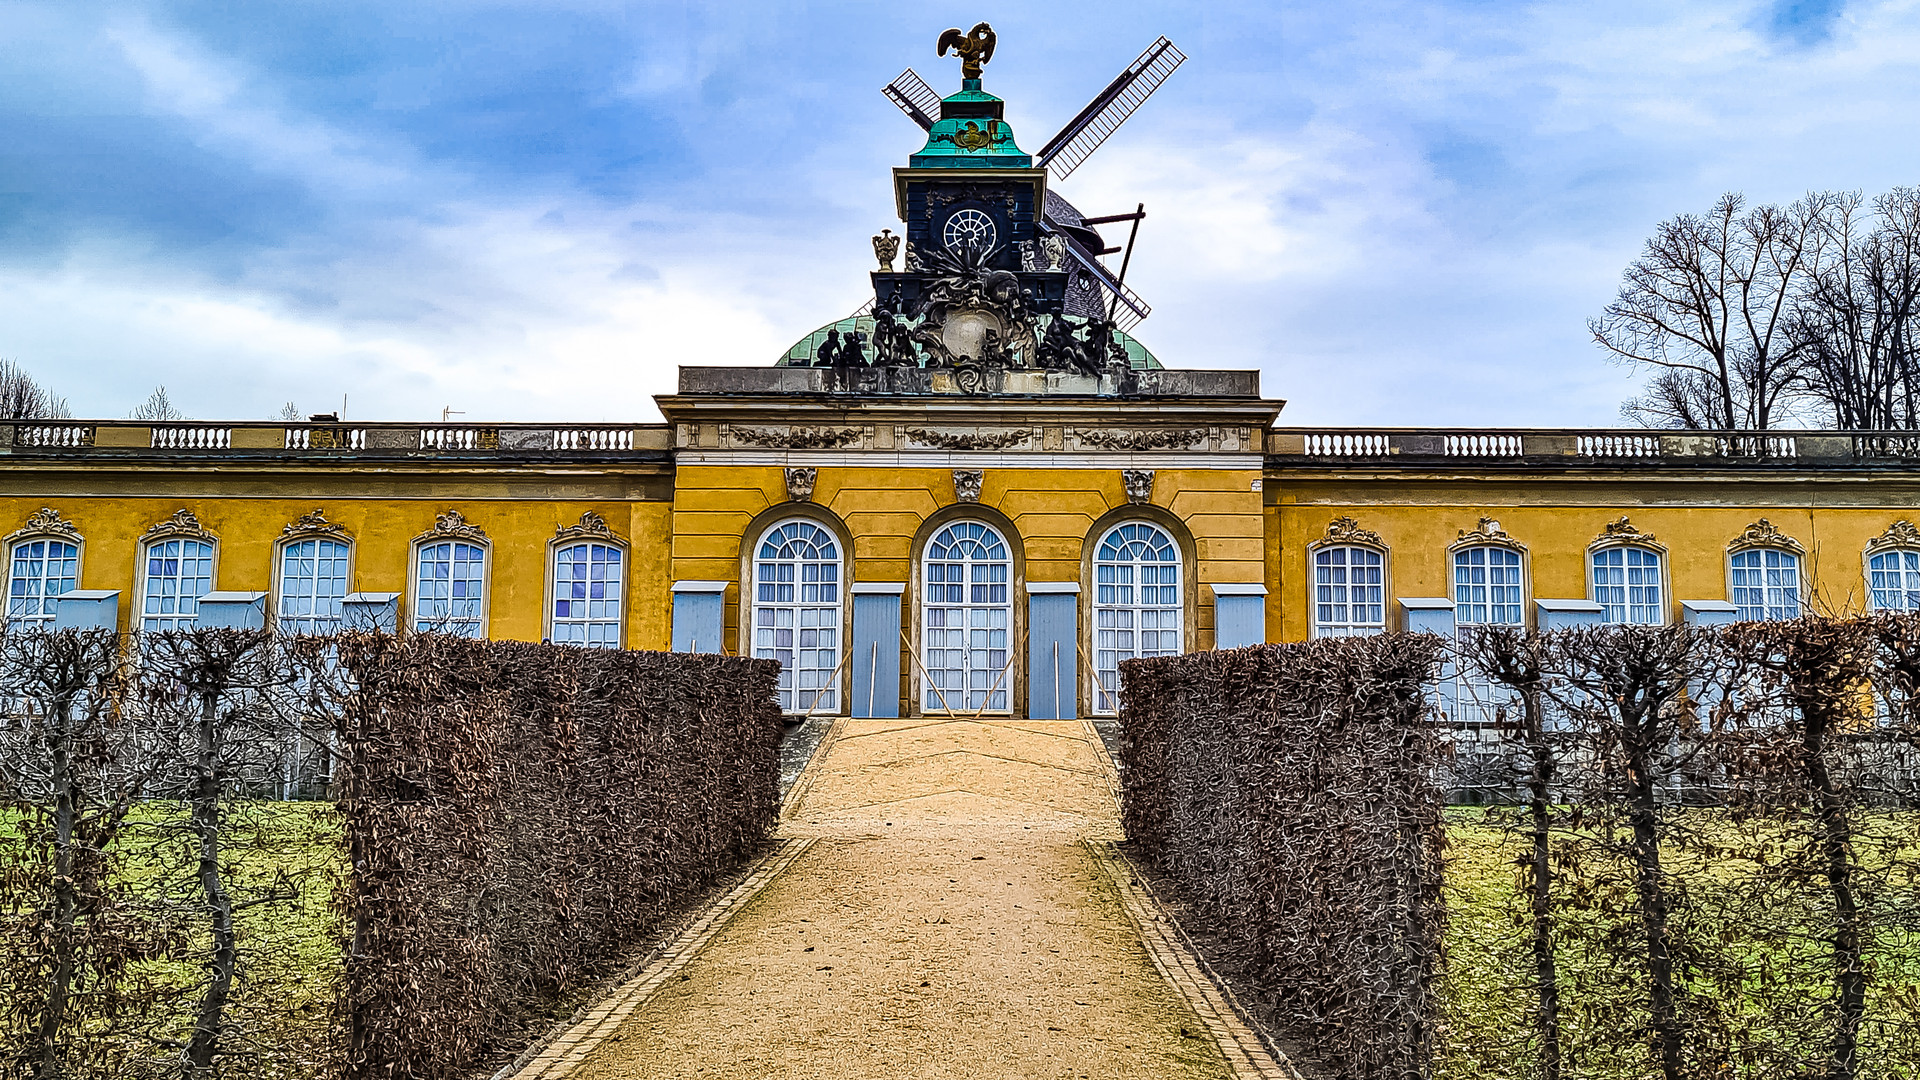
{"x":972,"y":133}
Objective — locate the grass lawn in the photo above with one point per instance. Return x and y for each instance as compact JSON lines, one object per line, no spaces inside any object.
{"x":1749,"y":944}
{"x":282,"y":862}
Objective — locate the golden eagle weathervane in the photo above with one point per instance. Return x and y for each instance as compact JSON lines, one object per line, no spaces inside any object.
{"x":975,"y":47}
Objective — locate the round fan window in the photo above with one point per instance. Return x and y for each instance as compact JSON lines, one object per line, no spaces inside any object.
{"x":968,"y":229}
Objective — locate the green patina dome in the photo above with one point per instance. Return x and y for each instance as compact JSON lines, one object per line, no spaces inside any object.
{"x":971,"y":134}
{"x":804,"y":350}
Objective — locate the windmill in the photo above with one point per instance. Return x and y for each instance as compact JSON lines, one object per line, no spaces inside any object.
{"x":1066,"y":152}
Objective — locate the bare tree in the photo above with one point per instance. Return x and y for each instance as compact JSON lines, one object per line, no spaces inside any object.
{"x":158,"y":406}
{"x":1706,"y":305}
{"x":1856,"y":325}
{"x":22,"y":398}
{"x":289,"y":414}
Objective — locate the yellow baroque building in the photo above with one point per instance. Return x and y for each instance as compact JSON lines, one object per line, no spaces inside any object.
{"x":977,"y":496}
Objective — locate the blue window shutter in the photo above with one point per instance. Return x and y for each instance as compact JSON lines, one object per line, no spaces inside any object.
{"x":875,"y":656}
{"x":1052,"y":632}
{"x":1239,"y":615}
{"x":699,"y":615}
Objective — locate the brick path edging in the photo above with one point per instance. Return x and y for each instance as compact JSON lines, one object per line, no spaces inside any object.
{"x":560,"y":1057}
{"x":1247,"y":1056}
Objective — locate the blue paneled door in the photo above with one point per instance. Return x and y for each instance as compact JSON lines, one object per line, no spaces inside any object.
{"x":1052,"y":674}
{"x":875,"y":657}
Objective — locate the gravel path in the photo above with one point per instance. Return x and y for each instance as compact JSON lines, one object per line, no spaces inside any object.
{"x":947,"y":923}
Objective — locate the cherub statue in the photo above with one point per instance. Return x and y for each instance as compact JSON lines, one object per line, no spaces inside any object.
{"x":885,"y":247}
{"x":975,"y":47}
{"x":829,"y":352}
{"x":852,"y":351}
{"x":892,"y":341}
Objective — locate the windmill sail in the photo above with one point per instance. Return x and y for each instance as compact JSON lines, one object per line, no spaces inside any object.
{"x":1102,"y":116}
{"x":915,"y":98}
{"x":1131,"y":309}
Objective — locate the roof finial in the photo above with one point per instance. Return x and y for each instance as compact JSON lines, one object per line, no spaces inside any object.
{"x":975,"y":47}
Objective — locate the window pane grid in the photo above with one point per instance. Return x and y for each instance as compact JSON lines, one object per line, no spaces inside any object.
{"x":586,"y":596}
{"x":967,"y":620}
{"x":1626,"y":585}
{"x":1893,"y":580}
{"x":1138,"y":610}
{"x":38,"y":573}
{"x":178,"y":574}
{"x":313,"y":584}
{"x":1349,"y":592}
{"x":1488,"y":590}
{"x":797,"y":613}
{"x":451,"y":592}
{"x":1766,"y":584}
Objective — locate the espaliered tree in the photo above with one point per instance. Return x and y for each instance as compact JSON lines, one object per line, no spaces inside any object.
{"x":1625,"y":689}
{"x":1812,"y":674}
{"x":58,"y":771}
{"x":1520,"y":662}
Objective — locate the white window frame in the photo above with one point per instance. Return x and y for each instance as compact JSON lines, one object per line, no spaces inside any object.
{"x":1348,"y":627}
{"x":143,"y":579}
{"x":43,"y":527}
{"x":1746,"y":613}
{"x":1104,"y":679}
{"x":280,"y":619}
{"x":1461,"y":606}
{"x":826,"y":699}
{"x":996,"y":683}
{"x":451,"y":527}
{"x":1659,"y":554}
{"x":618,"y":621}
{"x":1911,"y":586}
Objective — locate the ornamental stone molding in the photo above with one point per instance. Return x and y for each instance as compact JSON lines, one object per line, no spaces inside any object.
{"x":45,"y":522}
{"x":1488,"y":534}
{"x":967,"y":484}
{"x":1900,"y":534}
{"x":799,"y":438}
{"x":1345,"y":530}
{"x":1157,"y":439}
{"x":800,"y":483}
{"x":1763,"y":534}
{"x":1139,"y":485}
{"x":313,"y":523}
{"x":968,"y":440}
{"x":183,"y":523}
{"x":1622,"y":531}
{"x":591,"y":526}
{"x":452,"y":526}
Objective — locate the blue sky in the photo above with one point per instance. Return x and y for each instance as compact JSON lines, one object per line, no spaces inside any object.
{"x":1402,"y":213}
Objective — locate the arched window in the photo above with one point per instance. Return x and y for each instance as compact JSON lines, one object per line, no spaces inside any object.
{"x":967,"y":620}
{"x":313,"y":583}
{"x":797,"y":613}
{"x":1627,"y":585}
{"x":1765,"y":583}
{"x":1488,"y":587}
{"x":1893,"y":579}
{"x":450,"y":589}
{"x":586,"y":594}
{"x":179,"y":571}
{"x":1349,"y":591}
{"x":43,"y":561}
{"x":1137,"y":605}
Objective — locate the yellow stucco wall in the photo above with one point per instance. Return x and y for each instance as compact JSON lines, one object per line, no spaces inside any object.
{"x":1053,"y":512}
{"x":383,"y":531}
{"x":1557,"y":523}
